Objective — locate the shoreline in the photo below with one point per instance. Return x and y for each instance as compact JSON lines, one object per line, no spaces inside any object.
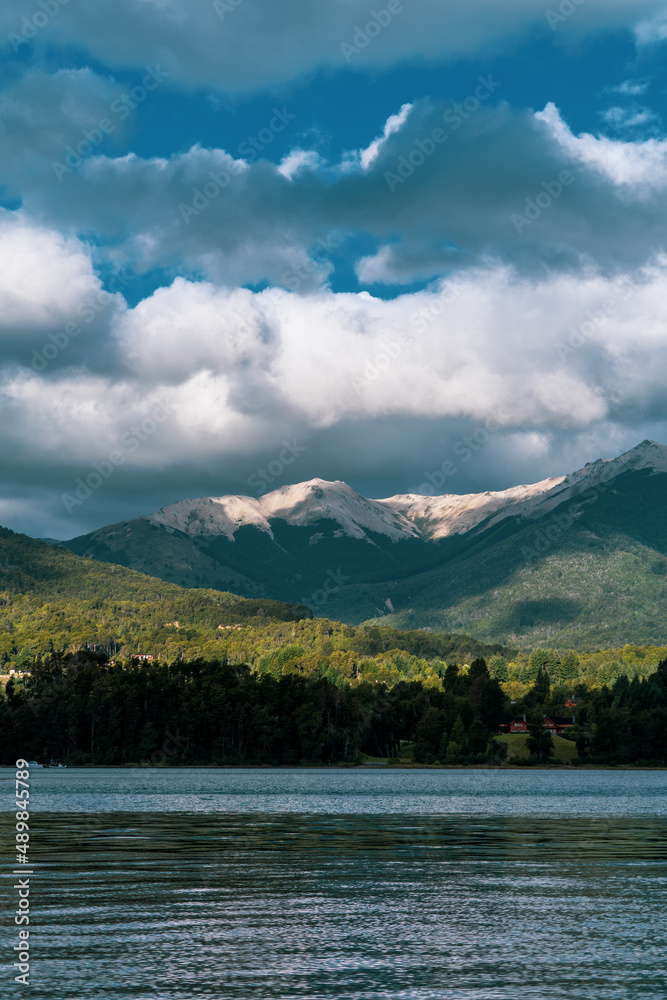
{"x":353,"y":767}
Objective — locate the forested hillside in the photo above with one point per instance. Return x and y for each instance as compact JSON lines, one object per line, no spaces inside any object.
{"x":52,"y":600}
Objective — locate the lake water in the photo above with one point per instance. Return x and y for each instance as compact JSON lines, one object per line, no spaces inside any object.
{"x":339,"y":884}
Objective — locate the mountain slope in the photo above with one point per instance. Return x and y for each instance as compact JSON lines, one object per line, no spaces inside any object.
{"x":53,"y":600}
{"x":441,"y":516}
{"x":292,"y":541}
{"x":567,"y":559}
{"x":592,"y":571}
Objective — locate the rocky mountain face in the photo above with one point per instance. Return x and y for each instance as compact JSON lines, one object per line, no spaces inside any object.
{"x":544,"y":562}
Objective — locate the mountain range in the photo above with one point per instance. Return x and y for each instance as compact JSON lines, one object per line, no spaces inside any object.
{"x":577,"y":559}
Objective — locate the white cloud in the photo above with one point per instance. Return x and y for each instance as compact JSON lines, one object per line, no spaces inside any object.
{"x":641,"y":165}
{"x":652,"y":29}
{"x":297,"y":160}
{"x":44,"y":276}
{"x":562,"y":353}
{"x":489,"y":341}
{"x":631,"y":118}
{"x":48,"y":286}
{"x":393,"y":124}
{"x":630,"y":88}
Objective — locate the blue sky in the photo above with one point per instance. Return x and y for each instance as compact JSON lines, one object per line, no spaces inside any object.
{"x":372,"y":232}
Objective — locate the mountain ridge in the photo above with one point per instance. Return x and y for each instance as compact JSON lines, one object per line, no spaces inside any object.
{"x":504,"y":566}
{"x":400,"y":516}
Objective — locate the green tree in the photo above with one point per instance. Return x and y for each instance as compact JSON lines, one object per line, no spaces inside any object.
{"x":539,"y":743}
{"x":458,"y":733}
{"x":478,"y":737}
{"x":569,"y":666}
{"x":541,"y":687}
{"x":478,"y":668}
{"x":544,"y":660}
{"x":428,"y":736}
{"x":498,"y":668}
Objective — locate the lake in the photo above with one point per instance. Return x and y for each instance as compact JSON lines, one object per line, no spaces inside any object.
{"x":356,"y":884}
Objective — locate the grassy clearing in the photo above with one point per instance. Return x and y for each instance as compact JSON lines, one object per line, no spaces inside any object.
{"x":565,"y":750}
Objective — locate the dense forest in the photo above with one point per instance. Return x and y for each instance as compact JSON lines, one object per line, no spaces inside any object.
{"x":52,"y":601}
{"x":81,"y":709}
{"x":260,"y":681}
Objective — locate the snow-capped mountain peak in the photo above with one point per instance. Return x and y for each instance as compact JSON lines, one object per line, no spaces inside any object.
{"x":403,"y":516}
{"x":455,"y":514}
{"x":301,"y":504}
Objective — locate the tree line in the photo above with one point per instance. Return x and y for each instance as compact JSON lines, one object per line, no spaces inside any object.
{"x":81,"y":709}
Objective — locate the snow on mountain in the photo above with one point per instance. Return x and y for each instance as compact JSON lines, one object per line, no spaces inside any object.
{"x":318,"y":499}
{"x":301,"y":505}
{"x":211,"y":516}
{"x":404,"y":516}
{"x":455,"y":514}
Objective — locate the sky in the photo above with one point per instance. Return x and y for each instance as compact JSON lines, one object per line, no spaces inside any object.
{"x":414,"y":246}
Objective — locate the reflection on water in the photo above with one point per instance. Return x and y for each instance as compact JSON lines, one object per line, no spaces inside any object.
{"x":310,"y":906}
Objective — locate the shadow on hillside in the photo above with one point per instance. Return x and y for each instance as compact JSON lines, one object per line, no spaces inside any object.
{"x":527,"y":614}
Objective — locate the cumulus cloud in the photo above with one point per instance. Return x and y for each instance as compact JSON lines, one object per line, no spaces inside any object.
{"x":429,"y":205}
{"x":42,"y":114}
{"x":47,"y":283}
{"x":247,"y":45}
{"x":564,"y":352}
{"x":231,"y":373}
{"x":638,"y":167}
{"x":531,"y":237}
